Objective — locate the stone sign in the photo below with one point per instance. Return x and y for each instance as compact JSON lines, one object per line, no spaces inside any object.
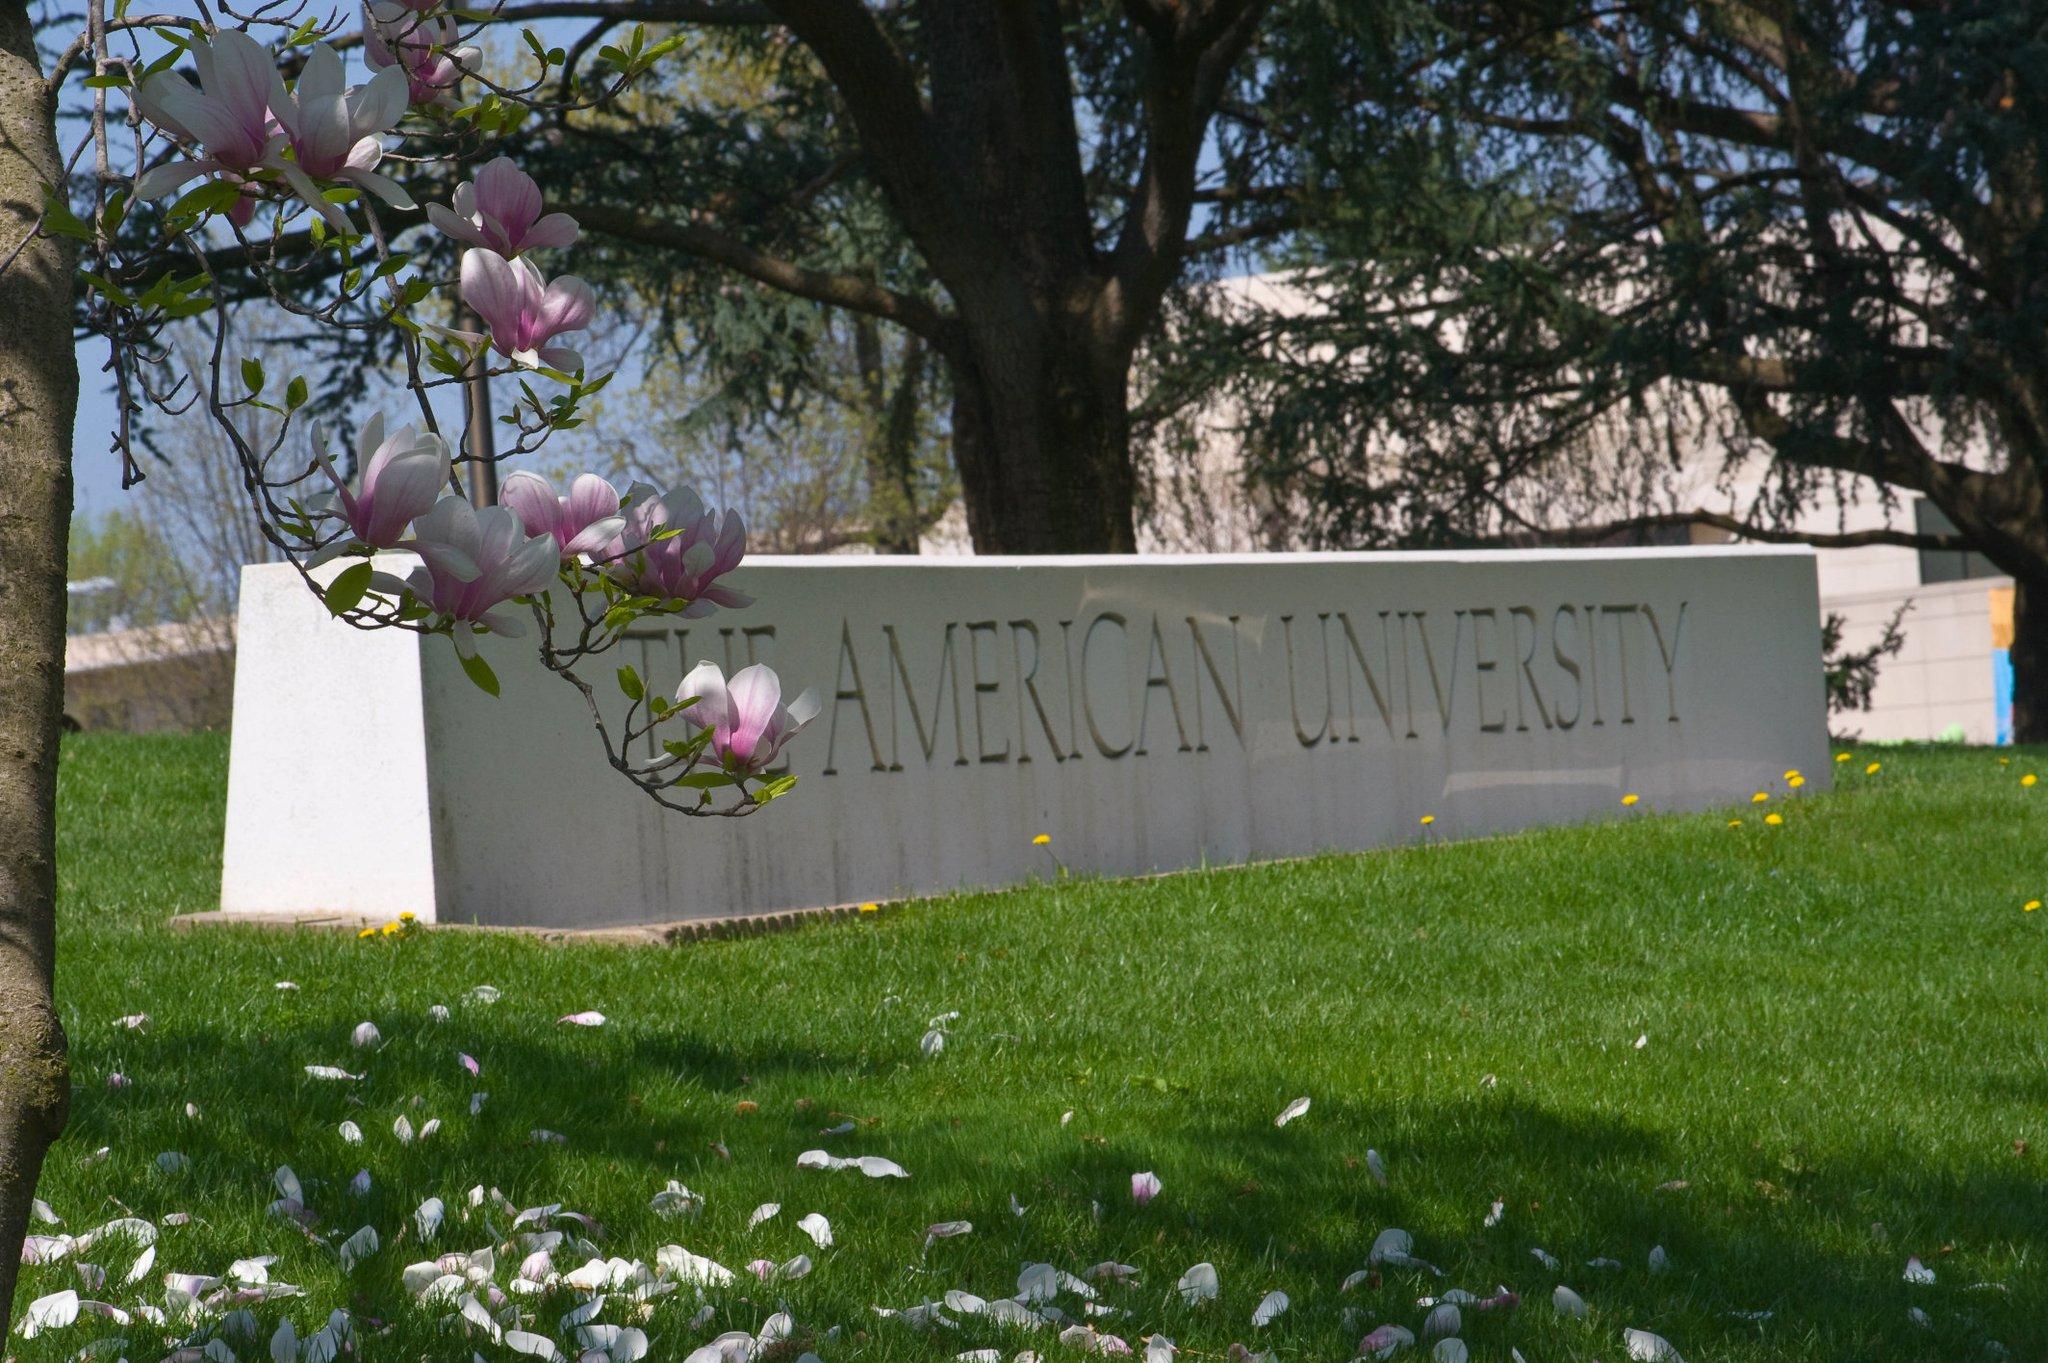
{"x":1147,"y":714}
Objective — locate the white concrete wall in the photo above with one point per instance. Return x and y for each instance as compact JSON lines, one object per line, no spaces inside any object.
{"x":328,"y":763}
{"x":1942,"y":677}
{"x":370,"y":774}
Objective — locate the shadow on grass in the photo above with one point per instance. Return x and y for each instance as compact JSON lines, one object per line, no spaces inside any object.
{"x":1293,"y":1208}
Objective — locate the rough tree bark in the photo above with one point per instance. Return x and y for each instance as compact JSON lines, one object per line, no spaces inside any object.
{"x":2030,"y":661}
{"x":38,"y":400}
{"x":979,"y":156}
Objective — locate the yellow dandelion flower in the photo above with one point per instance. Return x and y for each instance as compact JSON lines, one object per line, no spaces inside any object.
{"x":2005,"y":761}
{"x":2030,"y":906}
{"x":1793,"y":775}
{"x":366,"y":932}
{"x":1873,"y":769}
{"x":1735,"y":823}
{"x":871,"y":908}
{"x":1042,"y":840}
{"x":392,"y":928}
{"x":408,"y":917}
{"x":2029,"y":779}
{"x":1760,"y":797}
{"x":1428,"y":819}
{"x":1774,"y":819}
{"x":1795,"y":781}
{"x":1843,"y":756}
{"x":1630,"y":798}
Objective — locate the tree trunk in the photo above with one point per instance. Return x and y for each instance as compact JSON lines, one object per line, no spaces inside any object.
{"x":38,"y":401}
{"x":2030,"y":661}
{"x":1041,"y":438}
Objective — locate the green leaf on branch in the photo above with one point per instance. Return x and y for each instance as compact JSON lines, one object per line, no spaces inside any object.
{"x":252,"y":375}
{"x":295,"y":394}
{"x":346,"y":591}
{"x":59,"y":220}
{"x":477,"y":670}
{"x":705,"y":780}
{"x":774,"y":790}
{"x":629,"y":682}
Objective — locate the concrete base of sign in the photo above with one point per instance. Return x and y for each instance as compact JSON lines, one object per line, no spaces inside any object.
{"x":1146,"y":714}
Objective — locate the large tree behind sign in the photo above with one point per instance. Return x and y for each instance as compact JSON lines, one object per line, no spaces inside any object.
{"x":1814,"y":232}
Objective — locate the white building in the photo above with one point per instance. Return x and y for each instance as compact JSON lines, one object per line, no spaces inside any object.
{"x":1950,"y":680}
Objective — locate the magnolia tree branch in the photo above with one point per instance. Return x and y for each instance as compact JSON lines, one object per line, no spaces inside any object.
{"x":271,"y":171}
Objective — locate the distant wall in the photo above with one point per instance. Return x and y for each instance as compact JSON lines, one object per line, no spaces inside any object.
{"x":166,"y":677}
{"x":1946,"y":675}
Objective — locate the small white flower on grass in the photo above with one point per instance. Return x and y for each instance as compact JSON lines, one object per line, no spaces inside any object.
{"x":42,"y":1212}
{"x":946,"y":1230}
{"x":427,"y":1219}
{"x":1917,"y":1272}
{"x":676,"y":1200}
{"x":1386,"y":1341}
{"x":874,"y":1166}
{"x":815,"y":1226}
{"x":483,"y":993}
{"x":1642,"y":1041}
{"x":1395,"y":1248}
{"x":1144,"y":1187}
{"x":1269,"y":1309}
{"x":134,"y":1022}
{"x":1495,"y":1213}
{"x":1199,"y":1284}
{"x":934,"y":1042}
{"x":53,"y":1312}
{"x":365,"y":1034}
{"x":1568,"y":1302}
{"x":538,"y":1346}
{"x":358,"y":1247}
{"x":402,"y":1129}
{"x":438,"y":1012}
{"x":1297,"y":1108}
{"x":1645,"y":1347}
{"x":590,"y":1017}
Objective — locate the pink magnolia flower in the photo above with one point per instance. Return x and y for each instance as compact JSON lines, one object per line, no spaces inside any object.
{"x":227,"y":116}
{"x":400,"y":477}
{"x":424,"y":49}
{"x":749,"y":724}
{"x":581,"y":523}
{"x":500,"y":211}
{"x":686,"y":566}
{"x":507,"y":561}
{"x":1144,"y":1187}
{"x":333,"y":131}
{"x":524,"y":311}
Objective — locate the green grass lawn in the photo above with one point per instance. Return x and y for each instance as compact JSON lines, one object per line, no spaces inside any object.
{"x":1791,"y":1056}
